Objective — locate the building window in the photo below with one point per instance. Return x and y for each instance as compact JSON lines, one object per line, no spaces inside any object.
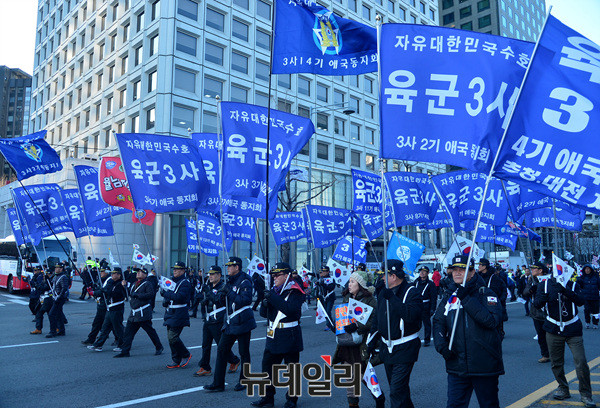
{"x":183,"y":117}
{"x":125,"y":33}
{"x":239,"y":62}
{"x":238,"y":94}
{"x":137,"y":90}
{"x":465,"y":12}
{"x":402,"y":13}
{"x":188,"y":8}
{"x":242,"y":3}
{"x":352,"y":5}
{"x":155,"y":8}
{"x":304,"y":112}
{"x":139,"y":53}
{"x":213,"y":53}
{"x":483,"y":5}
{"x":284,"y":106}
{"x":303,"y":86}
{"x":322,"y":93}
{"x":150,"y":118}
{"x":322,"y":121}
{"x":413,"y":19}
{"x":140,"y":22}
{"x":370,"y":110}
{"x":263,"y":9}
{"x":284,"y":81}
{"x":215,"y":20}
{"x":209,"y":122}
{"x":124,"y":62}
{"x":371,"y":136}
{"x":366,"y":12}
{"x":422,"y":8}
{"x":135,"y":124}
{"x":109,"y":105}
{"x":263,"y":40}
{"x":355,"y":158}
{"x":448,"y":18}
{"x":432,"y":14}
{"x":340,"y":155}
{"x":485,"y":21}
{"x":212,"y":87}
{"x":153,"y":45}
{"x":152,"y":77}
{"x":322,"y":151}
{"x":338,"y":98}
{"x":467,"y":26}
{"x":185,"y":80}
{"x":261,"y":99}
{"x":186,"y":43}
{"x":262,"y":71}
{"x":354,"y":131}
{"x":122,"y":97}
{"x":240,"y":30}
{"x":370,"y":161}
{"x":339,"y":127}
{"x":391,"y":6}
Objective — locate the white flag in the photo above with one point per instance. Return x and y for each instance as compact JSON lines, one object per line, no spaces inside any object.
{"x":359,"y":311}
{"x":111,"y":259}
{"x":304,"y":274}
{"x":257,"y":265}
{"x":561,"y":271}
{"x":541,"y":258}
{"x":151,"y":258}
{"x":569,"y":255}
{"x":321,"y":314}
{"x":139,"y":257}
{"x":370,"y":378}
{"x":136,"y":246}
{"x":166,"y":284}
{"x":462,"y":246}
{"x":339,"y":273}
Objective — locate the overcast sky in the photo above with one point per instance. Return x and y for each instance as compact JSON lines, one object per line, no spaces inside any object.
{"x":18,"y":18}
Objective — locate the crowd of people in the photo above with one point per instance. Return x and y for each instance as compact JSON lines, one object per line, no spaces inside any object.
{"x":462,"y":310}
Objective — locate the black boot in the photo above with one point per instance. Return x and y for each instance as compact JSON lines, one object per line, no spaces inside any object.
{"x":263,"y":402}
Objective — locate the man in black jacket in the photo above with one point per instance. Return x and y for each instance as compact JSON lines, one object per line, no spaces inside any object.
{"x":115,"y":294}
{"x":259,"y":288}
{"x":589,"y":281}
{"x":35,"y":283}
{"x":60,"y":290}
{"x":326,"y":292}
{"x":428,"y":292}
{"x":399,"y":349}
{"x":238,"y":325}
{"x":141,"y":298}
{"x":496,"y":281}
{"x":282,"y":308}
{"x":46,"y":301}
{"x":177,"y":317}
{"x":213,"y":312}
{"x":474,"y":359}
{"x":100,"y":308}
{"x":562,"y":326}
{"x":538,"y":315}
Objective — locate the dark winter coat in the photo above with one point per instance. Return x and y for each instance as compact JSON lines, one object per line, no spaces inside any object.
{"x":141,"y":298}
{"x":177,"y":307}
{"x":548,"y":295}
{"x":239,"y":295}
{"x":589,"y":284}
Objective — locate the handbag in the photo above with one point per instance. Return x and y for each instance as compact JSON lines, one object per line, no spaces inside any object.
{"x":349,"y":339}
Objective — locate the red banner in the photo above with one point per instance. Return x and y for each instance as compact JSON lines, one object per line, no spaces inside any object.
{"x":115,"y":189}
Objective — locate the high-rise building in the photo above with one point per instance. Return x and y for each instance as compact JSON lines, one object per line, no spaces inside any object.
{"x":15,"y":98}
{"x":158,"y":67}
{"x":520,"y":19}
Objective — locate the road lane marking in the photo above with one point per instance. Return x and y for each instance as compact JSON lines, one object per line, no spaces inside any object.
{"x":29,"y":344}
{"x":2,"y":304}
{"x":153,"y":398}
{"x":577,"y":392}
{"x":591,"y":382}
{"x":197,"y":347}
{"x":547,"y":389}
{"x":78,"y":301}
{"x":563,"y":403}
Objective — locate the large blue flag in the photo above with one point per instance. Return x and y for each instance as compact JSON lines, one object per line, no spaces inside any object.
{"x":446,"y":93}
{"x":544,"y":217}
{"x":94,"y":207}
{"x":552,"y":144}
{"x":351,"y":250}
{"x":210,"y":234}
{"x":287,"y":227}
{"x":306,"y":225}
{"x":191,"y":235}
{"x":373,"y":224}
{"x":240,"y":227}
{"x":462,"y":192}
{"x":40,"y":207}
{"x":367,"y":192}
{"x":245,"y":150}
{"x":210,"y":146}
{"x":20,"y":235}
{"x":497,"y":235}
{"x":442,"y":219}
{"x":72,"y":202}
{"x":309,"y":38}
{"x":328,"y":224}
{"x":413,"y":197}
{"x":30,"y":155}
{"x":406,"y":250}
{"x":165,"y":173}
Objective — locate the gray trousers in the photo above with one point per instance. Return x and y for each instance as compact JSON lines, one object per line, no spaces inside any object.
{"x":556,"y":347}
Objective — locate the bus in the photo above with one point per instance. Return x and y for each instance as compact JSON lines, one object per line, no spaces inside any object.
{"x":14,"y":265}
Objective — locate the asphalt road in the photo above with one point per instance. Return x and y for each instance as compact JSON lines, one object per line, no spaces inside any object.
{"x":60,"y":372}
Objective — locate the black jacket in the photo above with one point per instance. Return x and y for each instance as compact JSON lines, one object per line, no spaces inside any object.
{"x":115,"y":293}
{"x":477,"y":347}
{"x":36,"y":283}
{"x":141,"y":298}
{"x":213,"y":298}
{"x":428,"y":292}
{"x":530,"y":291}
{"x":176,"y":312}
{"x":239,"y":295}
{"x":406,"y":307}
{"x":590,"y":285}
{"x":444,"y":283}
{"x":548,"y":295}
{"x":289,"y":302}
{"x":326,"y":290}
{"x":497,"y":283}
{"x":259,"y":284}
{"x":60,"y":284}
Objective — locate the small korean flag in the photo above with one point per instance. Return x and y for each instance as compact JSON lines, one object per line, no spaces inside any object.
{"x":452,"y":304}
{"x":370,"y":378}
{"x":167,"y":284}
{"x":359,"y":311}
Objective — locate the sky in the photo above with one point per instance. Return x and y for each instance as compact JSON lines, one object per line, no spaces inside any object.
{"x":18,"y":19}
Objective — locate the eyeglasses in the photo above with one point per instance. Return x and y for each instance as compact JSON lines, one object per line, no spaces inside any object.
{"x":277,"y":275}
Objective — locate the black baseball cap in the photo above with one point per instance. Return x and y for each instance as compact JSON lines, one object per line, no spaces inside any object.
{"x":362,"y":266}
{"x":460,"y":261}
{"x":215,"y":269}
{"x":325,"y":268}
{"x":424,"y":268}
{"x":395,"y":267}
{"x":117,"y":271}
{"x":234,"y":260}
{"x":484,"y":262}
{"x":179,"y":265}
{"x":541,"y":266}
{"x":281,"y":267}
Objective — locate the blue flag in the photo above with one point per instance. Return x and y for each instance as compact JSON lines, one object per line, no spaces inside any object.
{"x":367,"y":192}
{"x":40,"y":206}
{"x":351,"y":250}
{"x":191,"y":235}
{"x":306,"y":225}
{"x":210,"y":146}
{"x":94,"y":207}
{"x":18,"y":232}
{"x":441,"y":219}
{"x":165,"y":173}
{"x":413,"y":197}
{"x":551,"y":144}
{"x":462,"y":192}
{"x":30,"y":155}
{"x":445,"y":93}
{"x":72,"y":202}
{"x":328,"y":224}
{"x":287,"y":227}
{"x":309,"y":38}
{"x":210,"y":234}
{"x":241,"y":228}
{"x":245,"y":150}
{"x":544,"y":217}
{"x":406,"y":250}
{"x":498,"y":235}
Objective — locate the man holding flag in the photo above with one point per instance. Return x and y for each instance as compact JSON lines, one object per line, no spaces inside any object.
{"x":326,"y":291}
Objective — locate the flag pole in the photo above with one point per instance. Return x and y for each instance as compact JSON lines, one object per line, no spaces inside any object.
{"x":515,"y":219}
{"x":489,"y":176}
{"x":26,"y":226}
{"x":224,"y":253}
{"x":115,"y":238}
{"x":555,"y":231}
{"x":447,"y":214}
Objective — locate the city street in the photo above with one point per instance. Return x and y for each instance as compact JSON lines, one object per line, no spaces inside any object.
{"x":60,"y":372}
